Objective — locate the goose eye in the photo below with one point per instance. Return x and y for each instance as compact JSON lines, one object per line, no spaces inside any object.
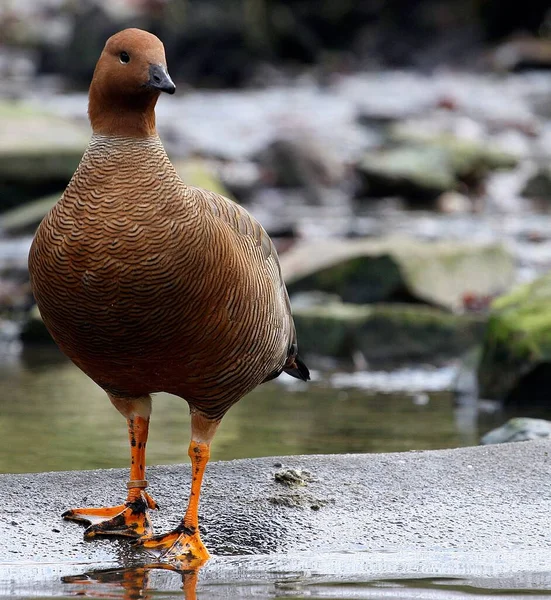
{"x":124,"y":58}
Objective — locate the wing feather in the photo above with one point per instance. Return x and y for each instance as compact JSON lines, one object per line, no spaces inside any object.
{"x":243,"y":223}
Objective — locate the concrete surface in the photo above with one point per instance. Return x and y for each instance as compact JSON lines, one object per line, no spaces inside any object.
{"x":374,"y":515}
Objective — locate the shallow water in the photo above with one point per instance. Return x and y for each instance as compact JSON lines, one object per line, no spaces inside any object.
{"x":429,"y":575}
{"x":54,"y":418}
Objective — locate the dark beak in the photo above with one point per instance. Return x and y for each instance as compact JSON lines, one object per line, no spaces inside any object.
{"x":160,"y":79}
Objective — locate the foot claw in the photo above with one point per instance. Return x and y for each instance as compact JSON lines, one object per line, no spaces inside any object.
{"x":178,"y":545}
{"x":126,"y":520}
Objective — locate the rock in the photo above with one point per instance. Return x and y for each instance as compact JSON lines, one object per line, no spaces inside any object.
{"x":523,"y":52}
{"x":301,"y":163}
{"x":292,"y":477}
{"x":539,"y":185}
{"x":385,"y":332}
{"x":409,"y":171}
{"x":25,"y":219}
{"x":241,"y":177}
{"x":398,"y":268}
{"x":515,"y":366}
{"x":468,"y":158}
{"x":196,"y":172}
{"x":425,"y":165}
{"x":454,"y":203}
{"x":520,"y":429}
{"x":38,"y":151}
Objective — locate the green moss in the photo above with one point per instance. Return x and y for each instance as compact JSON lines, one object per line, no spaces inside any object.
{"x":518,"y":337}
{"x":328,"y":330}
{"x":27,"y":217}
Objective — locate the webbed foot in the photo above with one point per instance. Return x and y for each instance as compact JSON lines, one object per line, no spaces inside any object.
{"x":183,"y":544}
{"x":126,"y":520}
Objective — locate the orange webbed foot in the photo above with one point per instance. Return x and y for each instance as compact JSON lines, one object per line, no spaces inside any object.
{"x":183,"y":544}
{"x":126,"y":520}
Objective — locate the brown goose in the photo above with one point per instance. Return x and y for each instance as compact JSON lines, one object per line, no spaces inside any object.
{"x":151,"y":285}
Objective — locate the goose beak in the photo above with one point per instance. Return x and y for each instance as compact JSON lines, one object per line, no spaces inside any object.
{"x":160,"y":79}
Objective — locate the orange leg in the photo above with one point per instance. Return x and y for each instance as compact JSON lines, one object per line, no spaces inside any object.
{"x":129,"y":519}
{"x":184,"y":543}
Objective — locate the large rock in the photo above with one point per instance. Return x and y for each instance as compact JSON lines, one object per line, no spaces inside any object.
{"x":426,"y":165}
{"x":198,"y":173}
{"x":516,"y":360}
{"x":385,"y":332}
{"x":301,"y":162}
{"x":466,"y":513}
{"x":25,"y":218}
{"x":399,"y":268}
{"x":539,"y":185}
{"x":519,"y":429}
{"x":37,"y":150}
{"x":468,"y":158}
{"x":409,"y":171}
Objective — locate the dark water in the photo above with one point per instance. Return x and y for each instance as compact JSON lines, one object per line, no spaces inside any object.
{"x":54,"y":418}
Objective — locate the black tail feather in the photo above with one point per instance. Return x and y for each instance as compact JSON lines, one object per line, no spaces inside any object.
{"x":298,"y":369}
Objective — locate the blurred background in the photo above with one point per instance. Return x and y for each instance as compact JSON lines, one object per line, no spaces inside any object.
{"x":398,"y":152}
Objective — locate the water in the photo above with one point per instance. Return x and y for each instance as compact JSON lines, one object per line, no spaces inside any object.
{"x":433,"y":575}
{"x":54,"y":418}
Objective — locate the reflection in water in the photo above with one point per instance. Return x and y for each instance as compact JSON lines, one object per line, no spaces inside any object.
{"x":425,"y":575}
{"x":133,"y":582}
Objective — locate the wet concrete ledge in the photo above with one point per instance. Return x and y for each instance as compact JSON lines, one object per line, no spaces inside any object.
{"x":475,"y":510}
{"x":478,"y":498}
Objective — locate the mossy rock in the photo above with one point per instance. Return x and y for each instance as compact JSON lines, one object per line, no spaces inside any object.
{"x":35,"y":165}
{"x":330,"y":329}
{"x":516,"y":360}
{"x":467,"y":158}
{"x":25,"y":219}
{"x":407,"y":171}
{"x":196,"y":172}
{"x":385,"y":332}
{"x":422,"y":165}
{"x":519,"y":429}
{"x":398,"y":268}
{"x":39,"y":152}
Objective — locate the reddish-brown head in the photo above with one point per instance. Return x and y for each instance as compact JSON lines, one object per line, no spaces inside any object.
{"x":130,"y":74}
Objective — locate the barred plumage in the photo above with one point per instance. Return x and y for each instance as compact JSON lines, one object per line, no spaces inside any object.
{"x":151,"y":285}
